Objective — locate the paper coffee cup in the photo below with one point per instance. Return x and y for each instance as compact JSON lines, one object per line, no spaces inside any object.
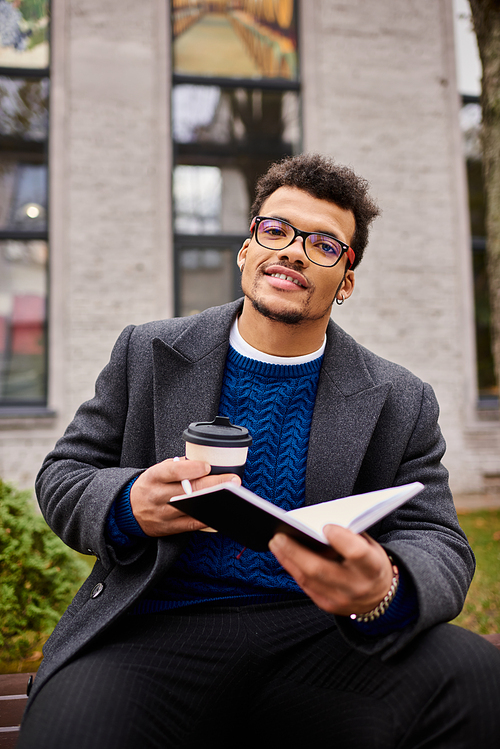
{"x":220,"y":443}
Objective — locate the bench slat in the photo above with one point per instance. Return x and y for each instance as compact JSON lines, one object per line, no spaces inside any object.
{"x":14,"y":683}
{"x":9,"y":740}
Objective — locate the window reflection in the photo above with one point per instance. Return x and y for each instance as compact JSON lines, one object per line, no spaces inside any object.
{"x":23,"y":195}
{"x":206,"y":278}
{"x":193,"y":107}
{"x":197,"y":199}
{"x":24,"y":122}
{"x":226,"y":132}
{"x":210,"y":114}
{"x":225,"y":139}
{"x":210,"y":200}
{"x":235,"y":38}
{"x":22,"y":320}
{"x":24,"y":108}
{"x":24,"y":27}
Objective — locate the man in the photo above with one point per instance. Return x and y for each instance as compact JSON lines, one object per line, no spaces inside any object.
{"x":178,"y":638}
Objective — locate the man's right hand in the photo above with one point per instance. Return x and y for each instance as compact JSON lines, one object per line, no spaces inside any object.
{"x":150,"y":495}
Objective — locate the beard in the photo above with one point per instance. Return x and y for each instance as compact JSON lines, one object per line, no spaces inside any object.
{"x":292,"y":317}
{"x":288,"y":317}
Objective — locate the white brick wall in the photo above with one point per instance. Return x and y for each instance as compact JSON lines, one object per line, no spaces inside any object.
{"x":383,"y":100}
{"x":114,"y":251}
{"x":21,"y":456}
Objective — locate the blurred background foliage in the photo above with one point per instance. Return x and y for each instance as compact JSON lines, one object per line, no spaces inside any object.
{"x":39,"y":576}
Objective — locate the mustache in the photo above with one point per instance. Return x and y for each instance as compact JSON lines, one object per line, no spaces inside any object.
{"x":298,"y":268}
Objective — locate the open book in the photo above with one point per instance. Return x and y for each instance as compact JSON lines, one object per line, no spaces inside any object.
{"x":252,"y":521}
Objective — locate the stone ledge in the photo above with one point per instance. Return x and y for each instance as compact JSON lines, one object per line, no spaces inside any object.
{"x":24,"y":417}
{"x":476,"y":502}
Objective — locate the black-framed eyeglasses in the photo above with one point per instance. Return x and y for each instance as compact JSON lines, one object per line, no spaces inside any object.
{"x":320,"y":249}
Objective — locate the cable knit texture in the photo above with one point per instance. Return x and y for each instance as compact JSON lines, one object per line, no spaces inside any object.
{"x":275,"y":402}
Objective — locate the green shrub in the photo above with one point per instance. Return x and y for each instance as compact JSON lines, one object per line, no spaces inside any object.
{"x":38,"y":574}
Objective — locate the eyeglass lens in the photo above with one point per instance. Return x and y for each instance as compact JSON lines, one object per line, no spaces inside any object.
{"x":276,"y":235}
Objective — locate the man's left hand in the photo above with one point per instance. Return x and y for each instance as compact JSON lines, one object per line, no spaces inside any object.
{"x":354,"y":585}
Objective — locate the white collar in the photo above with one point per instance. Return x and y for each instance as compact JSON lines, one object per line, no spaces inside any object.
{"x":242,"y":347}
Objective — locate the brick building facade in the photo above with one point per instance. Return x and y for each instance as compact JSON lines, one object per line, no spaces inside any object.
{"x":378,"y":92}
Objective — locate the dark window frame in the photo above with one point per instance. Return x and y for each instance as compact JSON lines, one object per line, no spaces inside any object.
{"x":30,"y":407}
{"x":211,"y":150}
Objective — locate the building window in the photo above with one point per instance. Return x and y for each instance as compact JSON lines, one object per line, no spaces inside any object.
{"x":235,"y":110}
{"x":24,"y":94}
{"x":471,"y":128}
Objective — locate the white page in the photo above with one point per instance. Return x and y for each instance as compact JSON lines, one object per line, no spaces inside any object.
{"x":357,"y":512}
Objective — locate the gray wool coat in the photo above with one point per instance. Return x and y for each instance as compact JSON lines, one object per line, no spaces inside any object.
{"x":374,"y":425}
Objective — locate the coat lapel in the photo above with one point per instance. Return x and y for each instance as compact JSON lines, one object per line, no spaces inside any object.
{"x":348,"y":405}
{"x":188,"y":374}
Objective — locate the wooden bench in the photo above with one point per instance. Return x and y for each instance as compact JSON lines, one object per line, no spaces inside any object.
{"x":12,"y":703}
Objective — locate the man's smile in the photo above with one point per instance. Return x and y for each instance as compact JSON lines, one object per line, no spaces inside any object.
{"x":285,"y":277}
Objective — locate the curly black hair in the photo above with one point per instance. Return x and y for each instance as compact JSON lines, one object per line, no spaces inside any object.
{"x":322,"y":178}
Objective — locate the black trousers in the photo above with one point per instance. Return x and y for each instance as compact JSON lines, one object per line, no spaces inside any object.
{"x":266,"y":676}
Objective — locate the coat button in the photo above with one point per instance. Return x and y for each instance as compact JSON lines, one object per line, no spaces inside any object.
{"x":97,"y":590}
